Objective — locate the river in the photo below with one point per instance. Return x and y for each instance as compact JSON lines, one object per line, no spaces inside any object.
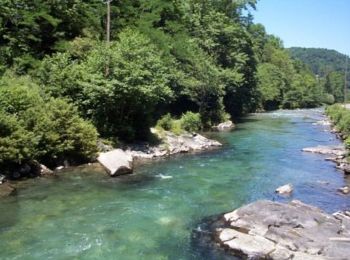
{"x":84,"y":214}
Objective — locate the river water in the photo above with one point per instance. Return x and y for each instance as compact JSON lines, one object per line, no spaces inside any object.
{"x":84,"y":214}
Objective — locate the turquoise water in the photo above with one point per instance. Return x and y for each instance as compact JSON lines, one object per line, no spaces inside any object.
{"x":84,"y":214}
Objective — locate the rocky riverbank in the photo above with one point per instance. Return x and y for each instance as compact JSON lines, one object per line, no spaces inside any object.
{"x":118,"y":161}
{"x":283,"y":231}
{"x":121,"y":161}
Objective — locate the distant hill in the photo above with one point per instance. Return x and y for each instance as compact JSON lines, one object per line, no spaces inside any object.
{"x":321,"y":61}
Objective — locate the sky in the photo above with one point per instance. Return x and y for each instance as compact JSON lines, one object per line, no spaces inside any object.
{"x":307,"y":23}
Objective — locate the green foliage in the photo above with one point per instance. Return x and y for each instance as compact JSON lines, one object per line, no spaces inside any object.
{"x":271,"y":85}
{"x":31,"y":29}
{"x":321,"y":61}
{"x":16,"y":143}
{"x":121,"y":103}
{"x":282,"y":81}
{"x":36,"y":128}
{"x":191,"y":122}
{"x":165,"y":57}
{"x":165,"y":122}
{"x":341,"y":118}
{"x":168,"y":123}
{"x":334,"y":85}
{"x":328,"y":65}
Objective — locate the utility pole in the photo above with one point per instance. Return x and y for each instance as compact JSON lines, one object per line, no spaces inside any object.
{"x":108,"y":31}
{"x":345,"y":79}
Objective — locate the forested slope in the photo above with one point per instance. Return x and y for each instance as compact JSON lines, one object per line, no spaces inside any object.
{"x":321,"y":61}
{"x":328,"y":65}
{"x":166,"y":57}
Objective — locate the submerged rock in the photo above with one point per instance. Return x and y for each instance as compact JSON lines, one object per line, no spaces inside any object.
{"x":337,"y":150}
{"x":225,"y":126}
{"x":272,"y":230}
{"x":285,"y":189}
{"x":6,"y":189}
{"x":116,"y":162}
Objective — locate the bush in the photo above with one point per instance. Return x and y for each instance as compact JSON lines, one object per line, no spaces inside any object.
{"x":36,"y":128}
{"x":191,"y":122}
{"x":16,"y":143}
{"x":165,"y":122}
{"x":341,"y":118}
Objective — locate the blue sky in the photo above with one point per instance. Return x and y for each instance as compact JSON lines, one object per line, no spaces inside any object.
{"x":307,"y":23}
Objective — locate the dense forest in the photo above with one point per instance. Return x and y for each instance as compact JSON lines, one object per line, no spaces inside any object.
{"x":329,"y":67}
{"x":321,"y":61}
{"x":63,"y":87}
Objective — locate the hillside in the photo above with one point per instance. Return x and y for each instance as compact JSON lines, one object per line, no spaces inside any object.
{"x":321,"y":61}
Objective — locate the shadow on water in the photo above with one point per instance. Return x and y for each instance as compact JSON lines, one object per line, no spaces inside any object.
{"x":9,"y":210}
{"x":203,"y":240}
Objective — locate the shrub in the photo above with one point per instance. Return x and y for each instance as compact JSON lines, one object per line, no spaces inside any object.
{"x":36,"y":128}
{"x":191,"y":122}
{"x":165,"y":122}
{"x":16,"y":143}
{"x":341,"y":118}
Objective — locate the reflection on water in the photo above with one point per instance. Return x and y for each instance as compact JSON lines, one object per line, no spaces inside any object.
{"x":84,"y":214}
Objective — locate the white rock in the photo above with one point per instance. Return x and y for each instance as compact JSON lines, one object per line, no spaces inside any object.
{"x":338,"y":150}
{"x":285,"y":189}
{"x":225,"y":126}
{"x":116,"y":162}
{"x":344,"y":190}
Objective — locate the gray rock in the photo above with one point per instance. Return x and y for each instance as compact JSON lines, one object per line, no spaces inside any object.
{"x":225,"y":126}
{"x":337,"y":150}
{"x":116,"y":162}
{"x":285,"y":189}
{"x":272,"y":230}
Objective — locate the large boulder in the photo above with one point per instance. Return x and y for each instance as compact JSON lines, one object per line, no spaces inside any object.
{"x":116,"y":162}
{"x":225,"y":126}
{"x":272,"y":230}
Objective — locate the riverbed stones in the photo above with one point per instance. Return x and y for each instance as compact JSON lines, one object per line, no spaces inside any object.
{"x":116,"y":162}
{"x":285,"y":189}
{"x":337,"y":150}
{"x":173,"y":144}
{"x":225,"y":126}
{"x":273,"y":230}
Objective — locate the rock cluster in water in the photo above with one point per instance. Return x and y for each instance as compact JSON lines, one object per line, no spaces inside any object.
{"x":271,"y":230}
